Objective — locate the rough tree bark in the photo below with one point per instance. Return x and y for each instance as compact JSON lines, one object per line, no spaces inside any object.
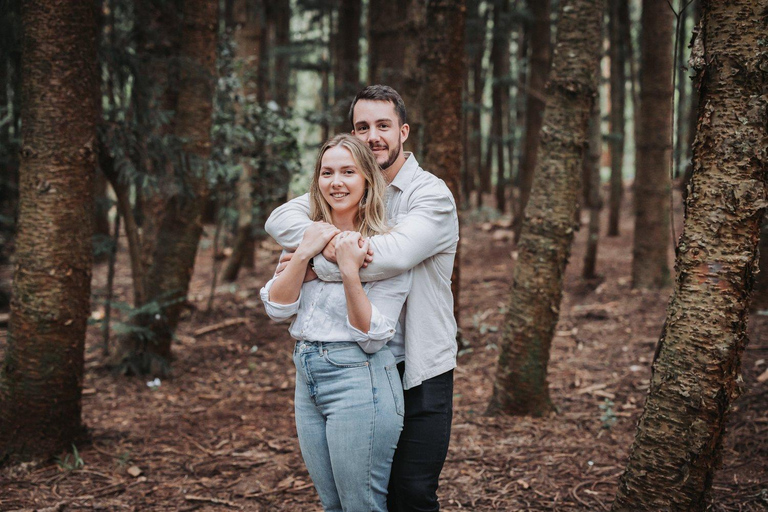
{"x":520,"y":386}
{"x":346,"y":62}
{"x":41,"y":377}
{"x":696,"y":370}
{"x":538,"y":70}
{"x":618,"y":55}
{"x":394,"y":48}
{"x":650,"y":267}
{"x":443,"y":62}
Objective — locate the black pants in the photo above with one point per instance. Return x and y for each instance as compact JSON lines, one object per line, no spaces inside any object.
{"x":423,"y":445}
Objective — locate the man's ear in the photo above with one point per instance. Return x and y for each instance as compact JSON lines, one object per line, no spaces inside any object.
{"x":405,"y":130}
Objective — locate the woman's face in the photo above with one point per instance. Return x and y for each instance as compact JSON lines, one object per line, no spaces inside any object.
{"x":340,"y":181}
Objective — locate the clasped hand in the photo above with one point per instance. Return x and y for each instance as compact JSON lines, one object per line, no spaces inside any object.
{"x":351,"y":251}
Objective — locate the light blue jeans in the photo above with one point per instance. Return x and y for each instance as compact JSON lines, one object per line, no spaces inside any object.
{"x":349,"y":414}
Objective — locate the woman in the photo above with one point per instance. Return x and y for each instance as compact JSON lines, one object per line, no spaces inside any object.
{"x":349,"y":398}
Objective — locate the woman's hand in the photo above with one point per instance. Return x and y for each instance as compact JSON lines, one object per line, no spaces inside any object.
{"x":316,"y":237}
{"x":351,"y":250}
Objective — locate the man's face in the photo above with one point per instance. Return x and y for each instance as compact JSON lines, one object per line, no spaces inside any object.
{"x":376,"y":123}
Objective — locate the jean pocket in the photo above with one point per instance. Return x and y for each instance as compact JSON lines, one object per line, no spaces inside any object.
{"x":397,"y":388}
{"x":352,"y":357}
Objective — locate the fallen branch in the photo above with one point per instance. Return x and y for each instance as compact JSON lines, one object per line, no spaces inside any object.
{"x":213,"y":500}
{"x":221,"y":325}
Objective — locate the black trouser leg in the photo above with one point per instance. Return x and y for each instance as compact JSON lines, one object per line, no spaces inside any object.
{"x":423,"y":445}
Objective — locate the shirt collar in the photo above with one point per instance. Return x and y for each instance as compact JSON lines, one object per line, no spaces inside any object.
{"x":406,"y":173}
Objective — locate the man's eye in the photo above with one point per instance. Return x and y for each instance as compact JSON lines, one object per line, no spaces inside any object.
{"x":362,"y":128}
{"x":383,"y":126}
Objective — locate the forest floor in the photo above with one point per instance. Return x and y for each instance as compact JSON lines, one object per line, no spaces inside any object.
{"x":219,"y":434}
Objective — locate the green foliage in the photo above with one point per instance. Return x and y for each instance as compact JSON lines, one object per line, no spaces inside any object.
{"x":608,"y":418}
{"x":248,"y":133}
{"x":71,"y":462}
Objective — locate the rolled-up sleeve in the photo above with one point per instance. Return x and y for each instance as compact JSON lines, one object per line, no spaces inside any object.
{"x":278,"y":312}
{"x":287,"y":223}
{"x":387,"y":298}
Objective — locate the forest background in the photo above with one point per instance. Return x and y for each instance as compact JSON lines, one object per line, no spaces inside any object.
{"x":609,"y":160}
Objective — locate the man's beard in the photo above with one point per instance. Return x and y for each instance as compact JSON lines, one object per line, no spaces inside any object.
{"x":391,"y":157}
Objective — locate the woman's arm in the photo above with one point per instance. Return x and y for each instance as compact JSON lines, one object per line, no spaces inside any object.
{"x":287,"y":286}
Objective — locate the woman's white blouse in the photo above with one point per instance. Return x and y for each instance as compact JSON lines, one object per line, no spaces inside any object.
{"x":321,"y":311}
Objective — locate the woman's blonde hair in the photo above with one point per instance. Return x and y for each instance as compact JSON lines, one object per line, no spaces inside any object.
{"x":372,"y":214}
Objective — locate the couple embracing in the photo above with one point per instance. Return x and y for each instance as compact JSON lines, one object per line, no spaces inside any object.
{"x":368,"y":286}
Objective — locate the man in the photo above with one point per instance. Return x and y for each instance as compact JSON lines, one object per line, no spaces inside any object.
{"x":425,"y":237}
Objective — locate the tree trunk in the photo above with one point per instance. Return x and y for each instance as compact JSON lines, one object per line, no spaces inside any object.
{"x":42,"y":374}
{"x":760,"y":297}
{"x":693,"y":108}
{"x":500,"y":94}
{"x":394,"y":47}
{"x":179,"y":223}
{"x":592,"y":195}
{"x":696,"y":370}
{"x":520,"y":385}
{"x":443,"y":62}
{"x":650,"y":268}
{"x":618,"y":55}
{"x":281,"y":14}
{"x":475,"y":35}
{"x":346,"y":62}
{"x":538,"y":70}
{"x":244,"y":239}
{"x":682,"y":93}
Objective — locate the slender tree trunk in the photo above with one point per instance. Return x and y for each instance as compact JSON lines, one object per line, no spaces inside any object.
{"x":693,"y":108}
{"x":540,"y":43}
{"x":395,"y":45}
{"x":475,"y":35}
{"x":696,"y":369}
{"x":760,"y":297}
{"x":281,"y":13}
{"x":650,"y":268}
{"x":500,"y":94}
{"x":41,"y":376}
{"x":618,"y":55}
{"x":592,"y":194}
{"x":244,"y":238}
{"x":346,"y":62}
{"x":682,"y":93}
{"x":520,"y":386}
{"x":443,"y":62}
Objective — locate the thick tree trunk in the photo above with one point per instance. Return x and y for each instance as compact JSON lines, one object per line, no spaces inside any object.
{"x":443,"y":62}
{"x":592,"y":196}
{"x":395,"y":44}
{"x":618,"y":55}
{"x":696,"y":371}
{"x":500,"y":95}
{"x":521,"y":386}
{"x":650,"y":267}
{"x":41,"y":377}
{"x":179,"y":223}
{"x":540,"y":43}
{"x":346,"y":62}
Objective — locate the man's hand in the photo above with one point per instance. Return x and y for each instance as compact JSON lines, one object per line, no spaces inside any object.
{"x":284,"y":259}
{"x":310,"y":275}
{"x":329,"y":252}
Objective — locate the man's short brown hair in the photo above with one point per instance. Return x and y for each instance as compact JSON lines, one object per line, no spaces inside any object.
{"x":379,"y":93}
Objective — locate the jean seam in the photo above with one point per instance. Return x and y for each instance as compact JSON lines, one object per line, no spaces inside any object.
{"x":371,"y":437}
